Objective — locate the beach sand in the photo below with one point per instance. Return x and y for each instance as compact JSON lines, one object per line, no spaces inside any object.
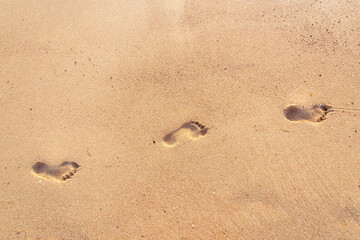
{"x":165,"y":119}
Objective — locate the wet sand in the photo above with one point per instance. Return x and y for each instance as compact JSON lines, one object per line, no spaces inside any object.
{"x":116,"y":88}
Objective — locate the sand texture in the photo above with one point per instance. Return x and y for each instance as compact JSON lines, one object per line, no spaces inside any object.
{"x":180,"y":119}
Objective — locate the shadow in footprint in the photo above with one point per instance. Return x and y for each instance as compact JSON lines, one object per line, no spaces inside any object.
{"x":314,"y":114}
{"x":61,"y":173}
{"x":187,"y":132}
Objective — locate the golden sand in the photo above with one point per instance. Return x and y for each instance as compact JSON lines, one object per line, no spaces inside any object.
{"x":109,"y":85}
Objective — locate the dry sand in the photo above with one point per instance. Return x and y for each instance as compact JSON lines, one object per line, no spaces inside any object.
{"x":101,"y":83}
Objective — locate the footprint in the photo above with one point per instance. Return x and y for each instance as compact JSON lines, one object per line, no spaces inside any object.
{"x":187,"y":132}
{"x":60,"y":173}
{"x":314,"y":114}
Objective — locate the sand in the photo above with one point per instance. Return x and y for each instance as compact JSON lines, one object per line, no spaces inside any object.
{"x":101,"y":83}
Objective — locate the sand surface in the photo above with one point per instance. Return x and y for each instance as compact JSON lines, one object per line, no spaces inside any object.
{"x":101,"y":83}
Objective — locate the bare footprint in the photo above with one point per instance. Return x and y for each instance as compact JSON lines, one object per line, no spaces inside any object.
{"x":187,"y":132}
{"x":314,"y":114}
{"x":60,"y":173}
